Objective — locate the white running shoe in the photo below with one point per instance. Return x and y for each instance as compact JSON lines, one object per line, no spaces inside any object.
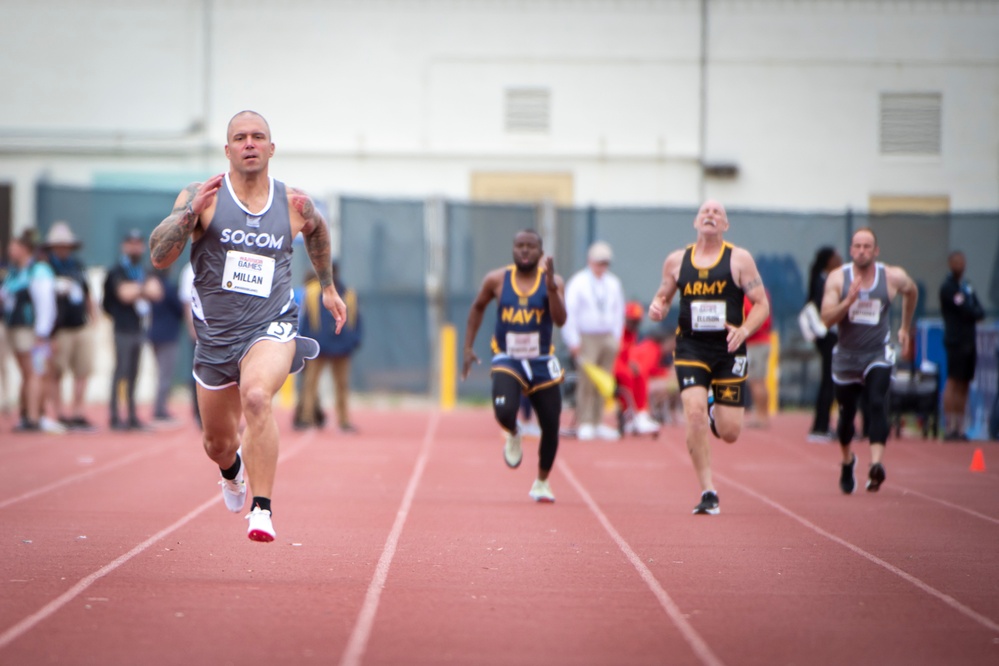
{"x":45,"y":424}
{"x":644,"y":424}
{"x":234,"y":491}
{"x":586,"y":432}
{"x":512,"y":453}
{"x":541,"y":491}
{"x":606,"y":432}
{"x":260,"y":528}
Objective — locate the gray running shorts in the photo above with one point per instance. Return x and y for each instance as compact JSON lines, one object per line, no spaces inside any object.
{"x":218,"y":367}
{"x":849,"y":367}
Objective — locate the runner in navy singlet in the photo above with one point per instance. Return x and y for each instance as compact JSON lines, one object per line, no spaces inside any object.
{"x":530,"y":300}
{"x":241,"y":225}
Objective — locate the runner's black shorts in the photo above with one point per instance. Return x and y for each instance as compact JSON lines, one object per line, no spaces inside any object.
{"x":709,"y":363}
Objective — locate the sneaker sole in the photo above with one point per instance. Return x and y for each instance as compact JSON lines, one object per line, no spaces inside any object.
{"x":260,"y":536}
{"x":873,"y":485}
{"x":707,"y":512}
{"x":542,"y":499}
{"x":513,"y":465}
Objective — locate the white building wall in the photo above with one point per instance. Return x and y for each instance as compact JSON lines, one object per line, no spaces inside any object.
{"x":405,"y":97}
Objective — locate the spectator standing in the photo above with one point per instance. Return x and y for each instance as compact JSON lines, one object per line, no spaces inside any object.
{"x":5,"y":352}
{"x":335,"y":352}
{"x":594,"y":302}
{"x":961,"y":310}
{"x":74,"y":335}
{"x":826,"y":260}
{"x":127,"y":302}
{"x":29,"y":304}
{"x":758,"y":347}
{"x":165,"y":322}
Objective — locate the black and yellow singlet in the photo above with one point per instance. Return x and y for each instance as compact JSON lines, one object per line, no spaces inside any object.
{"x":709,"y":297}
{"x":523,"y":320}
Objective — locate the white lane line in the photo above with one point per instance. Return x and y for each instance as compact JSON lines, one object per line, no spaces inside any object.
{"x":688,"y":632}
{"x":358,"y":643}
{"x":915,"y":452}
{"x":909,"y":578}
{"x":82,"y":475}
{"x":951,"y":505}
{"x":49,"y":609}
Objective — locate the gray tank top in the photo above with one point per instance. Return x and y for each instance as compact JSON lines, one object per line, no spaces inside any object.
{"x":867,"y":325}
{"x":242,"y":269}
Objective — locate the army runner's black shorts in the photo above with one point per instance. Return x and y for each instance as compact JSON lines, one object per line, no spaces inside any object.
{"x":709,"y":362}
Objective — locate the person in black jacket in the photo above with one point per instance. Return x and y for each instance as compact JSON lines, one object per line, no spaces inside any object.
{"x":126,"y":300}
{"x":826,"y":260}
{"x":960,"y":309}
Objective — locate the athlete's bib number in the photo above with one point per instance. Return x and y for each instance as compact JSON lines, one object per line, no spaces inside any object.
{"x":281,"y":330}
{"x":865,"y":312}
{"x":523,"y":345}
{"x":248,"y":273}
{"x":707,"y":315}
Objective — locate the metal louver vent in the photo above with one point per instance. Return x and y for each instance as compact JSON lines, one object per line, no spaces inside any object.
{"x":528,"y":110}
{"x":910,"y":123}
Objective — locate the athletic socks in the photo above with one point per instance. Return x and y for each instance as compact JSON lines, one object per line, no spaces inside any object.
{"x":232,"y":471}
{"x":263,"y":502}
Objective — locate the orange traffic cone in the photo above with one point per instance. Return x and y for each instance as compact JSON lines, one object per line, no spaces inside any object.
{"x":978,"y":461}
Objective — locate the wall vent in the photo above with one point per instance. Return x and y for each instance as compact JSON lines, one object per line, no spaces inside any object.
{"x":528,"y":110}
{"x":910,"y":123}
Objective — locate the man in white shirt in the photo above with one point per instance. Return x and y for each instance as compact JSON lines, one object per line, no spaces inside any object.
{"x":594,"y":303}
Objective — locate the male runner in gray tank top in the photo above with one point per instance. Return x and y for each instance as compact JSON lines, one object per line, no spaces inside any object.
{"x":858,"y":298}
{"x":241,"y":225}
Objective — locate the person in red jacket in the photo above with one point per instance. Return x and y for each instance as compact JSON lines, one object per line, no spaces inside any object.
{"x":632,"y":374}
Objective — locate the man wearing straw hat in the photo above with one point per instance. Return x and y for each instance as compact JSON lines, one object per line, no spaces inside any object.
{"x":75,"y":314}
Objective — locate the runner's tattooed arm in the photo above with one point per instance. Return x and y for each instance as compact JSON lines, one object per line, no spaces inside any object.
{"x":169,"y":238}
{"x":316,"y":235}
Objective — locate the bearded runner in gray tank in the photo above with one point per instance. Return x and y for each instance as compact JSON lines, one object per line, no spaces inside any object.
{"x":865,"y":332}
{"x":857,"y":297}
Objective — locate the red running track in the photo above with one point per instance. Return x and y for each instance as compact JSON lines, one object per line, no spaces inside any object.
{"x":412,"y":543}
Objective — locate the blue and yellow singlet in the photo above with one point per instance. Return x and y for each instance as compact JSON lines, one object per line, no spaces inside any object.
{"x":523,"y":320}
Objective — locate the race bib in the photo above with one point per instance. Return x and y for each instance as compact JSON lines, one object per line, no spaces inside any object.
{"x":707,"y":315}
{"x":248,"y":273}
{"x":865,"y":312}
{"x":523,"y":345}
